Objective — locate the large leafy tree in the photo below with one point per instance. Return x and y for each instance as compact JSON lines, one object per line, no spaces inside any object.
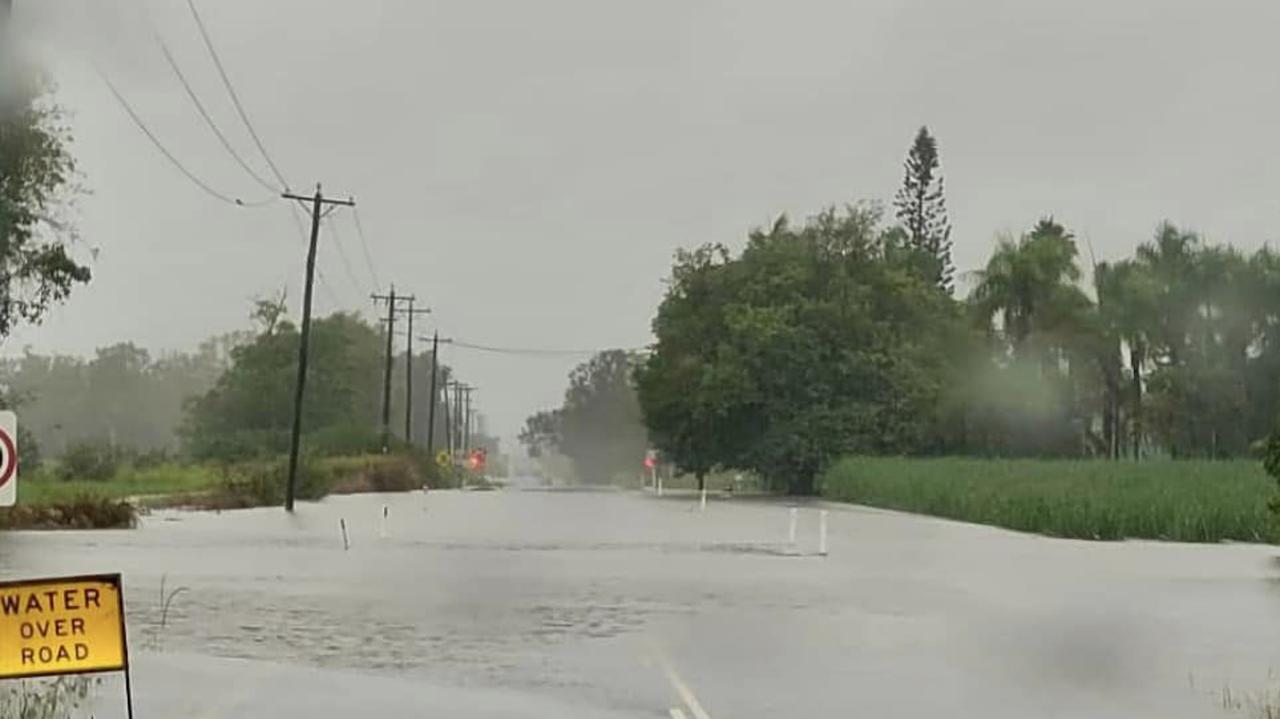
{"x":36,"y":186}
{"x":818,"y":340}
{"x":921,"y":208}
{"x":598,"y":427}
{"x":249,"y":409}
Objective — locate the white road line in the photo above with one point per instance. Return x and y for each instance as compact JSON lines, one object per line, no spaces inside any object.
{"x":678,"y":713}
{"x":686,"y":694}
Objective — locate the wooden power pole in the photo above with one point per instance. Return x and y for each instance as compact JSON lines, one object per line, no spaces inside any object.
{"x":318,"y":204}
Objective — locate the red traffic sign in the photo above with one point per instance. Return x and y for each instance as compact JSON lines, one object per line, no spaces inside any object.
{"x":8,"y":459}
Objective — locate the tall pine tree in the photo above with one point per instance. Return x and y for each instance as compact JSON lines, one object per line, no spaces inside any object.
{"x":922,"y":210}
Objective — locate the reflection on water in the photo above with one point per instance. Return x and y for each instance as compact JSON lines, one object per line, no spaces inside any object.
{"x":552,"y":592}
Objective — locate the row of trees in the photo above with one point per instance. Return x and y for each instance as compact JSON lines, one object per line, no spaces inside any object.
{"x":231,"y":398}
{"x":598,"y":427}
{"x":121,"y":396}
{"x":842,"y":336}
{"x":249,"y":410}
{"x":1173,"y":351}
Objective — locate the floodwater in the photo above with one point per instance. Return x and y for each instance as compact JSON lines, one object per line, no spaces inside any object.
{"x":611,"y":604}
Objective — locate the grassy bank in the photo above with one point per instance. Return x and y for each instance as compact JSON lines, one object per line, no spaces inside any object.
{"x":45,"y":501}
{"x":1191,"y":501}
{"x":45,"y":489}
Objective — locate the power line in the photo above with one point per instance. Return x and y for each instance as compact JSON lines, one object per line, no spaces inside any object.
{"x":534,"y":352}
{"x":235,"y":98}
{"x":342,"y":255}
{"x":137,"y":120}
{"x":364,"y":245}
{"x":208,"y":120}
{"x":302,"y":233}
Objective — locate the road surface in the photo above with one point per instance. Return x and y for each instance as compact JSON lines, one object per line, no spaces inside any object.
{"x":611,"y":604}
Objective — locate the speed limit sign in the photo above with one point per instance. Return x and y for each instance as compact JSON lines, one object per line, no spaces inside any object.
{"x":8,"y":459}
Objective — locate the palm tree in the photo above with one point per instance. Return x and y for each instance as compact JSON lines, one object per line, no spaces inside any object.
{"x":1127,"y":296}
{"x":1030,"y":284}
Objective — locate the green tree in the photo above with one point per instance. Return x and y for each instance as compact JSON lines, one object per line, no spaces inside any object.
{"x":1128,"y":304}
{"x":816,"y":341}
{"x":36,"y":173}
{"x":250,"y":408}
{"x":599,"y":425}
{"x":1042,"y":334}
{"x":921,"y":208}
{"x":541,"y":433}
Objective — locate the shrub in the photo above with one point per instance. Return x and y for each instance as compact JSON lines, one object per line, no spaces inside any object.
{"x":82,"y":512}
{"x":152,"y":458}
{"x":239,"y":446}
{"x":28,"y":451}
{"x":375,"y":473}
{"x":57,"y":698}
{"x":345,"y":440}
{"x":262,"y":482}
{"x":94,"y":461}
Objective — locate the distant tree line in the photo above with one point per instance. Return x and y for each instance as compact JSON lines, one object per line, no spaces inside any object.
{"x":841,"y":336}
{"x":598,"y":427}
{"x":232,"y":398}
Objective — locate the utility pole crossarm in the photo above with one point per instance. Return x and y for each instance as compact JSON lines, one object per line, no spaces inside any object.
{"x":349,"y":202}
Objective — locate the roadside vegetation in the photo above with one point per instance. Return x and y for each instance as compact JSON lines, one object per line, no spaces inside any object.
{"x":1186,"y":501}
{"x":227,"y":447}
{"x":1048,"y":390}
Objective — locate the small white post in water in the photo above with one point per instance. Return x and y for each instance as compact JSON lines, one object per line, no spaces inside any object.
{"x":702,"y":502}
{"x":346,"y":543}
{"x":822,"y":532}
{"x":382,"y":530}
{"x":791,"y":531}
{"x":659,"y":485}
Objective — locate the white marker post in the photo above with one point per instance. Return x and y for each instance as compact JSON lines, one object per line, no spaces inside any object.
{"x":659,"y":485}
{"x":702,"y":502}
{"x":822,"y":532}
{"x":791,"y":531}
{"x":346,"y":544}
{"x":382,"y":529}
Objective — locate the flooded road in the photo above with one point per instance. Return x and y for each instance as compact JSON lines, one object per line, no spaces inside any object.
{"x":584,"y":604}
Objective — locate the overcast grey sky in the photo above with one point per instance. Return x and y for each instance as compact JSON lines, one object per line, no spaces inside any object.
{"x":528,"y":167}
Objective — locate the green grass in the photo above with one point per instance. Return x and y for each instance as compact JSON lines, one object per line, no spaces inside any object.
{"x":42,"y":489}
{"x":1190,"y":501}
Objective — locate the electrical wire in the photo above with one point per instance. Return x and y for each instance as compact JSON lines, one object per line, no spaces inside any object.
{"x":346,"y":264}
{"x":235,"y":98}
{"x":208,"y":119}
{"x":137,"y":120}
{"x":532,"y":352}
{"x":302,"y":233}
{"x":364,"y":245}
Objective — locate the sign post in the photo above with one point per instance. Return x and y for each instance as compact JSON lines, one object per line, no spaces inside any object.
{"x":64,"y":625}
{"x":8,"y":459}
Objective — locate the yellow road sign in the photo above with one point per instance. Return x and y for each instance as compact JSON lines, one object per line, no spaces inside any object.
{"x":443,"y":459}
{"x":66,"y":625}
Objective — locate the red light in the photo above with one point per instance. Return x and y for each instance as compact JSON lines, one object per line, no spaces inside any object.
{"x":650,"y":462}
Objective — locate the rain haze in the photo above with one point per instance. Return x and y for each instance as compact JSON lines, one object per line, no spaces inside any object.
{"x":528,"y":169}
{"x":804,"y":359}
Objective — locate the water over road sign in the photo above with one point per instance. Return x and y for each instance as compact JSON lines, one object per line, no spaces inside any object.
{"x":68,"y":625}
